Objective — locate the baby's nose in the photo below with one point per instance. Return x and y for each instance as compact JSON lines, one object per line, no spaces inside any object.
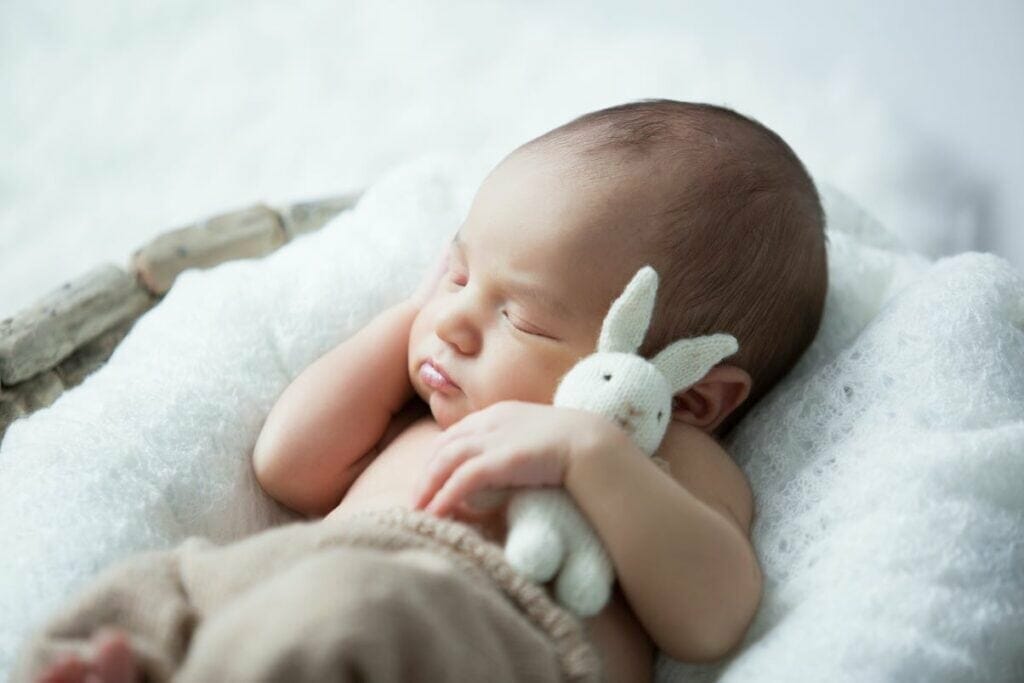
{"x":457,"y":329}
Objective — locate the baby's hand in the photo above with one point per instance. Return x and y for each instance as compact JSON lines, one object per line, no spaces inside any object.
{"x":508,"y":444}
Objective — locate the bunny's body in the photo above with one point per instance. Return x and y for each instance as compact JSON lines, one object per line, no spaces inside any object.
{"x":547,"y":533}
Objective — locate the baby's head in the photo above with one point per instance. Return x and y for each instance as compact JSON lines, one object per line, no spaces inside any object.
{"x":719,"y":205}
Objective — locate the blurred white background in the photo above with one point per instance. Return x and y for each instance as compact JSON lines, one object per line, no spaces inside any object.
{"x":121,"y":119}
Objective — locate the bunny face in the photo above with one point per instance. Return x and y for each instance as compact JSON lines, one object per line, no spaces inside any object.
{"x":626,"y":389}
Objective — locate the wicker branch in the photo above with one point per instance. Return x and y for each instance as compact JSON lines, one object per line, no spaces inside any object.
{"x":56,"y":343}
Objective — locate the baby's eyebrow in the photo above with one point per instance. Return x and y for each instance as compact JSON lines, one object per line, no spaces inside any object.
{"x":538,"y":294}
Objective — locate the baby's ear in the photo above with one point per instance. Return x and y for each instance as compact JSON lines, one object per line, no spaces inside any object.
{"x":707,"y":403}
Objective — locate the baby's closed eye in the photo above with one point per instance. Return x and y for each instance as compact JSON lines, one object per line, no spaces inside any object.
{"x":523,"y":326}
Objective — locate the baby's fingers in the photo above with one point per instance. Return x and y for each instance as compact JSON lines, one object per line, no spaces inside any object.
{"x":445,"y":460}
{"x":480,"y":473}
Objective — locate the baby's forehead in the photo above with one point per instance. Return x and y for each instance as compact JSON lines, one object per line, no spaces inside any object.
{"x":586,"y":232}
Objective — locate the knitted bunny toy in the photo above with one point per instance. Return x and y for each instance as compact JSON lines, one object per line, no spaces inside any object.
{"x":546,"y":531}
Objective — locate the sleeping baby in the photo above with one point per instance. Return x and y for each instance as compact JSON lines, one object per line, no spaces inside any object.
{"x":441,"y":407}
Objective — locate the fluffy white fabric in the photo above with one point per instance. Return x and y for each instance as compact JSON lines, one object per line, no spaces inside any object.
{"x":886,"y":469}
{"x":155,"y":446}
{"x":886,"y":466}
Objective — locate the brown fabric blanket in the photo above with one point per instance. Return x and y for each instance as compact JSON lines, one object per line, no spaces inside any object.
{"x":387,"y":595}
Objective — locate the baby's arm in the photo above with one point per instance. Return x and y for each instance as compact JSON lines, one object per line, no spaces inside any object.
{"x":679,"y":540}
{"x":333,"y":413}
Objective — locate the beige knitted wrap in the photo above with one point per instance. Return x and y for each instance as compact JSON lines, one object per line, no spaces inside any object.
{"x":466,"y":548}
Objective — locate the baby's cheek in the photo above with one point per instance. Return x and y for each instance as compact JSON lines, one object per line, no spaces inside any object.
{"x":523,"y":382}
{"x":546,"y":376}
{"x":420,"y":324}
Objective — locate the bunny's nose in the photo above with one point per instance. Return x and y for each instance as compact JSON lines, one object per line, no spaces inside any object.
{"x":627,"y":421}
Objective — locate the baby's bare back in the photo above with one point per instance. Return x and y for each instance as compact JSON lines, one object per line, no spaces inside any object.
{"x":389,"y":478}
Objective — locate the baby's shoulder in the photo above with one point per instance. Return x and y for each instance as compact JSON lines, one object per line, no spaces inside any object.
{"x":701,"y":465}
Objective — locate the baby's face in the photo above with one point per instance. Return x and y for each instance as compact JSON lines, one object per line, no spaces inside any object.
{"x":531,"y":275}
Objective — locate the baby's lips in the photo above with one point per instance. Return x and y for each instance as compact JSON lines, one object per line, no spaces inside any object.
{"x":435,"y":377}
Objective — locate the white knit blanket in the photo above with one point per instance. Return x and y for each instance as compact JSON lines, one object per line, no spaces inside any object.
{"x":887,"y":467}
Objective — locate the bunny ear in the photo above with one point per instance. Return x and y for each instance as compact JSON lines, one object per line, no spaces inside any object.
{"x":626,"y":324}
{"x":685,"y":361}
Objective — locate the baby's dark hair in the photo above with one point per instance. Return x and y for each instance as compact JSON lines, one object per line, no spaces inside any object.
{"x":740,"y":243}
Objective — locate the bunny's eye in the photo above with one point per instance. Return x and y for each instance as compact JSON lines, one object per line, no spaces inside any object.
{"x":659,"y":416}
{"x":607,"y":377}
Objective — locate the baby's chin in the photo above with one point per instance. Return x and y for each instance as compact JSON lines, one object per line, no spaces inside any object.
{"x":447,"y":410}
